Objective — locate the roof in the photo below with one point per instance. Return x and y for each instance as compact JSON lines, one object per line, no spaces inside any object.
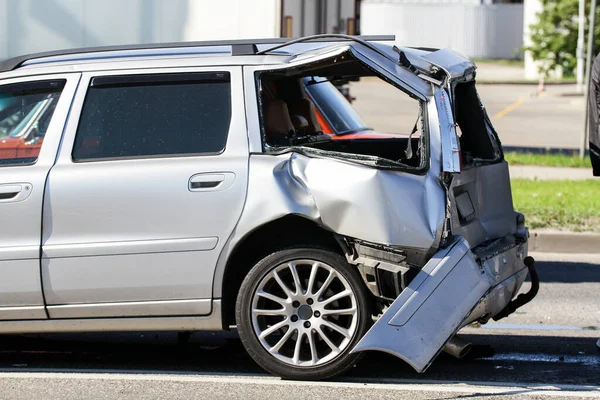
{"x":221,"y":47}
{"x":422,"y":61}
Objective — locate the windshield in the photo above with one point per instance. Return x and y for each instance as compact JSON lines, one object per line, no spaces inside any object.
{"x":334,"y":107}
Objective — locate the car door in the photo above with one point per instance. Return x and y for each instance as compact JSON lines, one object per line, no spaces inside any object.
{"x":149,"y":184}
{"x":22,"y":180}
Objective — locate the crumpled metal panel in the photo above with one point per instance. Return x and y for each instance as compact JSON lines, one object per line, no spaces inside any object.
{"x":385,"y":207}
{"x":430,"y":310}
{"x":455,"y":65}
{"x":451,"y":290}
{"x":450,"y":143}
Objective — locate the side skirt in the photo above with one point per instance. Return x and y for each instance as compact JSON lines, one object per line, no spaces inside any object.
{"x":212,"y":322}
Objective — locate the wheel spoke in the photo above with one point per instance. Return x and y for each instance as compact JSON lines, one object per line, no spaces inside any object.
{"x":271,"y":297}
{"x":286,"y":289}
{"x":297,"y":284}
{"x":311,"y":279}
{"x":282,"y":341}
{"x":273,"y":328}
{"x":313,"y":347}
{"x":297,"y":348}
{"x":278,"y":312}
{"x":342,"y":311}
{"x":326,"y":339}
{"x":336,"y":328}
{"x":326,"y":283}
{"x":335,"y":297}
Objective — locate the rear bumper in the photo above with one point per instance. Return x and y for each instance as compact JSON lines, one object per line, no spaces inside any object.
{"x":457,"y":286}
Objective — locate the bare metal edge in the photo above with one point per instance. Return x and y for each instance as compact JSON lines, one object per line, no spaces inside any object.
{"x":212,"y":322}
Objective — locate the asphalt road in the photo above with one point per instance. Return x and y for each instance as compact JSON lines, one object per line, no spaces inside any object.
{"x":546,"y":349}
{"x":521,"y":116}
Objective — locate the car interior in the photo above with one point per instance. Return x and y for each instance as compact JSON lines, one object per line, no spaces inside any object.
{"x":292,"y":118}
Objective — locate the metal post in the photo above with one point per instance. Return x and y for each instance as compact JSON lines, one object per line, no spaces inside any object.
{"x":580,"y":46}
{"x":302,"y":17}
{"x":588,"y":76}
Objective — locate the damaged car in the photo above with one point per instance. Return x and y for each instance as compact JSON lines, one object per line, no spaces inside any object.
{"x":213,"y":185}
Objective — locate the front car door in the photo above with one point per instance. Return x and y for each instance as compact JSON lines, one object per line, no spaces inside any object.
{"x":149,"y":184}
{"x":42,"y":102}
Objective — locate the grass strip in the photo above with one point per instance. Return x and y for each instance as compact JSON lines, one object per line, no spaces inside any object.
{"x":562,"y":205}
{"x":548,"y":160}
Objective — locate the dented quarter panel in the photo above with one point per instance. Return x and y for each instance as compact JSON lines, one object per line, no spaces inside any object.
{"x":381,"y":206}
{"x":350,"y":199}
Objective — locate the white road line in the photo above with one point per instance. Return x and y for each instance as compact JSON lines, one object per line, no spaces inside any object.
{"x":589,"y":360}
{"x":356,"y":384}
{"x":539,"y":327}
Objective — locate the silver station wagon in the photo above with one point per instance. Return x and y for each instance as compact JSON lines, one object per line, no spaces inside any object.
{"x":219,"y":185}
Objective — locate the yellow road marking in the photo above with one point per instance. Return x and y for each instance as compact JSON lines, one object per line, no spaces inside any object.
{"x":510,"y":108}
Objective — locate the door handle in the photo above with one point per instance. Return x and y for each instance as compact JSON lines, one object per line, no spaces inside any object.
{"x":14,"y":192}
{"x":8,"y":192}
{"x":207,"y":181}
{"x":211,"y":181}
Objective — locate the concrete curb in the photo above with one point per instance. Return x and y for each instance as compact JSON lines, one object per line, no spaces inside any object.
{"x":564,"y":242}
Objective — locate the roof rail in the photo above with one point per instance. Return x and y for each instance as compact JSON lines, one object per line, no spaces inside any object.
{"x":325,"y":36}
{"x":238,"y":47}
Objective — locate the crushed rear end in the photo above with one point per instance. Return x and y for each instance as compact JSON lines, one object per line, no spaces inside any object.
{"x":482,"y":261}
{"x":433,"y":231}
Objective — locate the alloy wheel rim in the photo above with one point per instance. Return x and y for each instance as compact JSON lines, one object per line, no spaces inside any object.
{"x":304,"y":313}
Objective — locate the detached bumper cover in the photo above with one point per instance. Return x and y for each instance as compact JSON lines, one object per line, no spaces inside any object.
{"x":457,"y":286}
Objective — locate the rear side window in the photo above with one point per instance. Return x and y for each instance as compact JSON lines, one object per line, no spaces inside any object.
{"x":154,"y":115}
{"x":26,"y":110}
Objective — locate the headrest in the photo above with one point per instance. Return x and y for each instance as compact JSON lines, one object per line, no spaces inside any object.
{"x":277,"y":119}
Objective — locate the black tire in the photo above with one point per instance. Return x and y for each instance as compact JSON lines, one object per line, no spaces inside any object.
{"x":243,"y":310}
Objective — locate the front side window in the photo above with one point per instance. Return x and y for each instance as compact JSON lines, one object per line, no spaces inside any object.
{"x":154,"y":115}
{"x":26,"y":110}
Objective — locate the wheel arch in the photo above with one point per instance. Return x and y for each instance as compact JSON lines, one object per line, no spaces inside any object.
{"x":274,"y":235}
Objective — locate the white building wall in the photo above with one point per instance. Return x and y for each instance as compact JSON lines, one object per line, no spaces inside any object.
{"x":28,"y":26}
{"x":478,"y":31}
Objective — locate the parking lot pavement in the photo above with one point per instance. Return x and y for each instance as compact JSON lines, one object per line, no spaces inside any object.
{"x":545,"y":350}
{"x":521,"y":116}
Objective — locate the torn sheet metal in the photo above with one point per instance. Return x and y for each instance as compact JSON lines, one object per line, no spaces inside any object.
{"x":450,"y":145}
{"x":386,"y":207}
{"x":451,"y":290}
{"x":455,"y":65}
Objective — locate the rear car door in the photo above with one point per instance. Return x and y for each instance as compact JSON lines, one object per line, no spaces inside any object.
{"x":149,"y":184}
{"x":33,"y":108}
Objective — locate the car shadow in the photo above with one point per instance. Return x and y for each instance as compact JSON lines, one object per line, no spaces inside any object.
{"x":567,"y":272}
{"x":537,"y":359}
